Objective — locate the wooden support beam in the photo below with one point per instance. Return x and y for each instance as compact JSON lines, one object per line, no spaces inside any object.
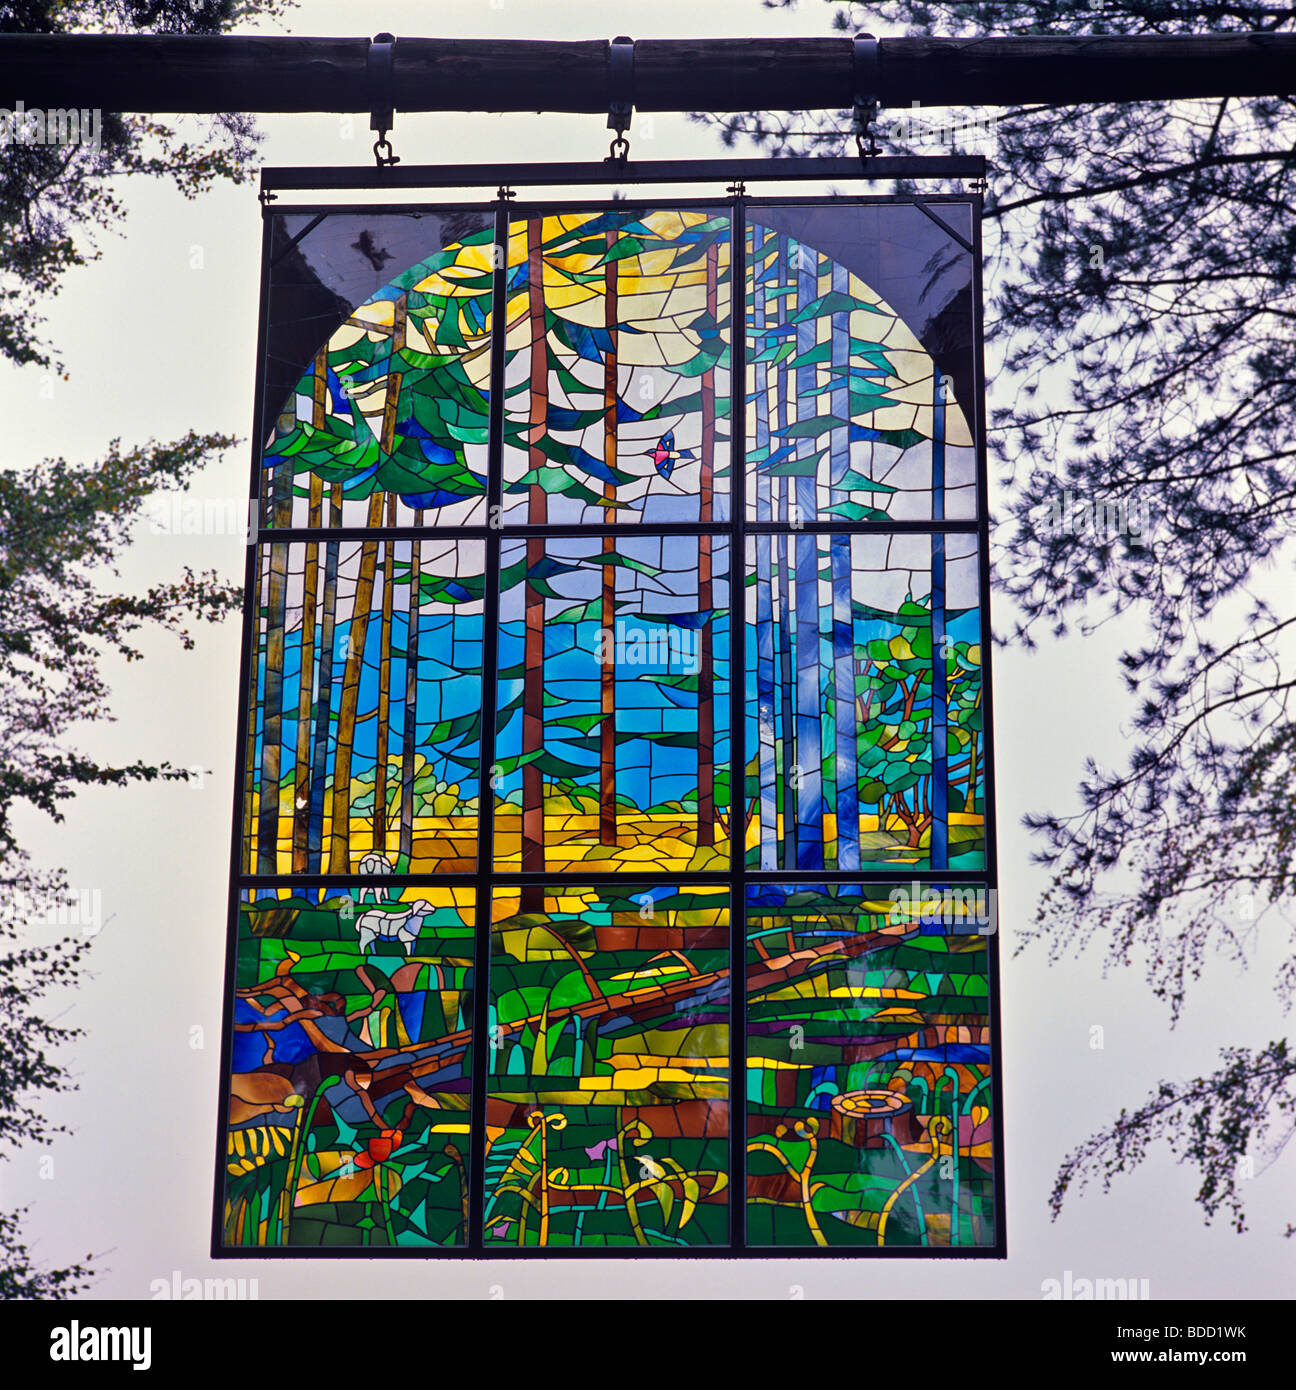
{"x":167,"y":73}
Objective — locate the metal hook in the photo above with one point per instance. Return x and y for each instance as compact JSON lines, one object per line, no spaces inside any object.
{"x":380,"y":81}
{"x":865,"y":73}
{"x":620,"y":96}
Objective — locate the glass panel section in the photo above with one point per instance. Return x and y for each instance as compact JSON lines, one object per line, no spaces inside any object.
{"x":860,"y":366}
{"x":965,"y":758}
{"x":607,"y":1119}
{"x":869,"y":1097}
{"x":617,"y":375}
{"x":612,"y":746}
{"x":863,"y":751}
{"x":377,"y":384}
{"x":362,"y":646}
{"x":349,"y":1095}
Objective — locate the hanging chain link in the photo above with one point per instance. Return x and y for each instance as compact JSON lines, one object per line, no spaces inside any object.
{"x":866,"y":128}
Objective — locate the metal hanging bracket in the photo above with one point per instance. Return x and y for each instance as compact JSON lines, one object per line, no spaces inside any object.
{"x":620,"y":96}
{"x":865,"y":80}
{"x":380,"y":83}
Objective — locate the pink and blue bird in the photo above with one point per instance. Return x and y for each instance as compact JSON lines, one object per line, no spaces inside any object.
{"x":665,"y":454}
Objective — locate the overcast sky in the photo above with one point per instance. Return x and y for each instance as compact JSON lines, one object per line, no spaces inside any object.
{"x":159,"y":337}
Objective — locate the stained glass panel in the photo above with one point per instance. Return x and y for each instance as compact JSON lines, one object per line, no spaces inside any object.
{"x":350,"y":1068}
{"x":362,"y":646}
{"x":867,"y":745}
{"x":612,"y":748}
{"x":859,"y":366}
{"x":607,"y":1119}
{"x":617,"y":376}
{"x":869,"y":1097}
{"x":387,"y":420}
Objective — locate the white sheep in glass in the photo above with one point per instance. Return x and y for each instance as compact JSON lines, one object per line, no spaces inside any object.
{"x":374,"y":864}
{"x":398,"y":922}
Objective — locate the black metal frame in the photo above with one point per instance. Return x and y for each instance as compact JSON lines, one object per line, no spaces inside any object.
{"x":612,"y":171}
{"x":734,"y":531}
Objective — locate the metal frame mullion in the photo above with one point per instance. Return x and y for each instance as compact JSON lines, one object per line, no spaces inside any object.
{"x":480,"y":1048}
{"x":580,"y":530}
{"x":605,"y":879}
{"x":738,"y":725}
{"x":989,"y":801}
